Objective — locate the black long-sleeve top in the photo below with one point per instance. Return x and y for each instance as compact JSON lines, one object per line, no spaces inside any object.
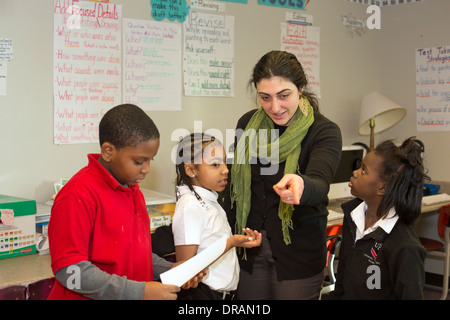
{"x":318,"y":161}
{"x":398,"y":258}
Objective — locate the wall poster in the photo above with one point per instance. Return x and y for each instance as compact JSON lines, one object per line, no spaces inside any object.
{"x":87,"y":68}
{"x":152,"y":64}
{"x":208,"y":59}
{"x":304,"y":42}
{"x":433,"y":89}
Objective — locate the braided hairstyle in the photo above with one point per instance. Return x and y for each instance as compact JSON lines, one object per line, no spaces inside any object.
{"x":404,"y":175}
{"x":190,"y":150}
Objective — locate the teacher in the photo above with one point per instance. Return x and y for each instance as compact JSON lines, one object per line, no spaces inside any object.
{"x":279,"y":183}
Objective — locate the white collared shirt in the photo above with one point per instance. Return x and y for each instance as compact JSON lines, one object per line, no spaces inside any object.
{"x":200,"y":224}
{"x":359,"y":217}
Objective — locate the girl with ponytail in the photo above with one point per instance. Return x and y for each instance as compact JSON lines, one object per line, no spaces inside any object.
{"x":381,"y":256}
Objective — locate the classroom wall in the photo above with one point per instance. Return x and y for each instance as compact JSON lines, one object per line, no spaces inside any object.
{"x":350,"y":66}
{"x":404,"y":30}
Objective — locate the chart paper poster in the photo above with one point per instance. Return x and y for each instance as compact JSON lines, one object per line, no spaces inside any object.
{"x":236,"y":1}
{"x":173,"y":10}
{"x":6,"y":53}
{"x":152,"y":64}
{"x":304,"y":42}
{"x":3,"y":77}
{"x":208,"y":59}
{"x":382,"y":3}
{"x":6,"y":49}
{"x":433,"y":88}
{"x":87,"y":68}
{"x":288,"y":4}
{"x":208,"y":5}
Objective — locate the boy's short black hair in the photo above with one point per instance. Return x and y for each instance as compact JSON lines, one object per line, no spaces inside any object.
{"x":126,"y":125}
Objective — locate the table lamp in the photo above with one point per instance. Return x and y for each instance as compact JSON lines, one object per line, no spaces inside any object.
{"x":377,"y":114}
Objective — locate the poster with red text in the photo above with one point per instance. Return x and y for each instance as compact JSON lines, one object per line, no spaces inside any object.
{"x":433,"y":88}
{"x":304,"y":42}
{"x":87,"y":67}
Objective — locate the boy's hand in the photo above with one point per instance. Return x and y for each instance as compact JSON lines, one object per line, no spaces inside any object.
{"x":193,"y":282}
{"x":158,"y":291}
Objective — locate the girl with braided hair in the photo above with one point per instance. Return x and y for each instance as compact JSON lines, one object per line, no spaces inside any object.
{"x":199,"y":220}
{"x":380,"y":255}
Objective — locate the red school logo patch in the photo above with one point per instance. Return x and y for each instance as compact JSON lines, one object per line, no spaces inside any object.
{"x":375,"y":249}
{"x":374,"y":254}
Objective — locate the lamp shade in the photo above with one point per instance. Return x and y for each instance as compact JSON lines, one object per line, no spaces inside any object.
{"x":385,"y":112}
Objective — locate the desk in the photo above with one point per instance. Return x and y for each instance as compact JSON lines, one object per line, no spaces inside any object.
{"x":335,"y":205}
{"x":434,"y":207}
{"x":24,"y":269}
{"x":34,"y":267}
{"x":155,"y":198}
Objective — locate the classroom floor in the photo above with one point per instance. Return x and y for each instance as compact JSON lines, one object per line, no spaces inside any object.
{"x":433,"y":294}
{"x":433,"y":287}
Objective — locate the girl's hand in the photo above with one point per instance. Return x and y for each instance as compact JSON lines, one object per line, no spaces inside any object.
{"x":252,"y":238}
{"x":290,"y":188}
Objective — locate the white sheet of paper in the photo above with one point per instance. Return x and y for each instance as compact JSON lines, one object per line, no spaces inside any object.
{"x":187,"y":270}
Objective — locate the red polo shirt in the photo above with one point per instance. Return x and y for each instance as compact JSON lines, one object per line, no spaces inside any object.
{"x":95,"y":219}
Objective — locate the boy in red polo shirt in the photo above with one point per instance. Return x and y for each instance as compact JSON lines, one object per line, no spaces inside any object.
{"x":99,"y":230}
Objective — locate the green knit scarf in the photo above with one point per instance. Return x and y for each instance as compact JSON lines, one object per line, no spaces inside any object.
{"x":257,"y":143}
